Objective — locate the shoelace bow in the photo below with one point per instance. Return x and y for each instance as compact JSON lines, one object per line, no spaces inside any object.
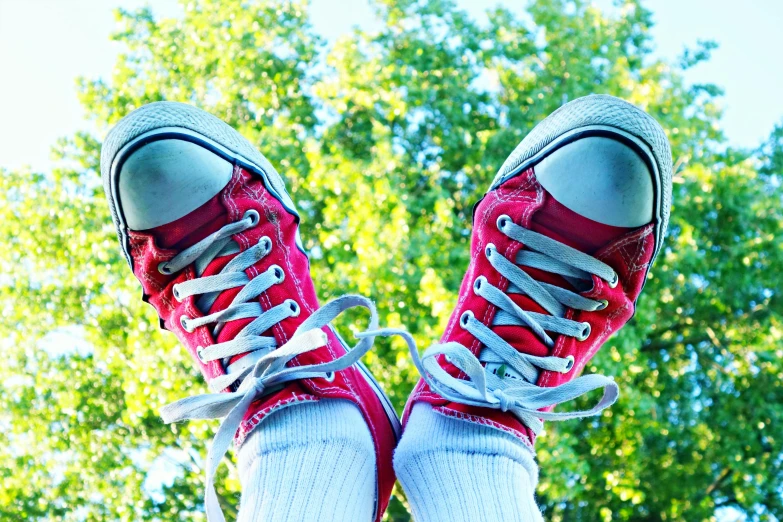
{"x":522,"y":397}
{"x":263,"y":370}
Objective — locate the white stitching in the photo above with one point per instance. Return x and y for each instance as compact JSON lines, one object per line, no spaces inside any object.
{"x":485,"y":422}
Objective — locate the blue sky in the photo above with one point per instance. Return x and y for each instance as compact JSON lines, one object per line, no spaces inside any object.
{"x":38,"y":67}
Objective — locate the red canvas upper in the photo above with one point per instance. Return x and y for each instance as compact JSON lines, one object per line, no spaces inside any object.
{"x":628,"y":251}
{"x":247,"y":191}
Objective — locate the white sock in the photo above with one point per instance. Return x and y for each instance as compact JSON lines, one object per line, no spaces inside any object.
{"x":312,"y":461}
{"x":456,"y":471}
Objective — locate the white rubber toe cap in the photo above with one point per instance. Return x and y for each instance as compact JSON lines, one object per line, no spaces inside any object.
{"x":168,"y":179}
{"x":601,"y":179}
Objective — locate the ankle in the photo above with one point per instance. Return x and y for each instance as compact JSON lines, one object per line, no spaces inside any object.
{"x":455,"y":471}
{"x":313,"y":461}
{"x":429,"y":431}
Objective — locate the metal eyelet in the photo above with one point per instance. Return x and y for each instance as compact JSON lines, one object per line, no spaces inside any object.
{"x":177,"y":295}
{"x":294,"y":306}
{"x":199,"y":351}
{"x":164,"y":269}
{"x":329,"y":377}
{"x":183,"y":321}
{"x":571,"y":362}
{"x":489,"y":249}
{"x":480,"y":280}
{"x":604,"y":303}
{"x":278,"y":273}
{"x":254,"y":216}
{"x":266,"y":242}
{"x":613,"y":282}
{"x":465,"y":317}
{"x":503,"y":221}
{"x":585,"y":332}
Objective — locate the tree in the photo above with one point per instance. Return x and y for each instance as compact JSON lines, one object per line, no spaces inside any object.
{"x":386,"y":140}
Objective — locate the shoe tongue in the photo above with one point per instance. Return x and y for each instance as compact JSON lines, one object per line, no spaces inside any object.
{"x":192,"y":228}
{"x":189,"y":230}
{"x":562,"y":224}
{"x":558,"y":222}
{"x":223,"y":300}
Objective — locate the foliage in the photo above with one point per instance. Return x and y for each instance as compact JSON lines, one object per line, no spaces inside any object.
{"x":386,"y":139}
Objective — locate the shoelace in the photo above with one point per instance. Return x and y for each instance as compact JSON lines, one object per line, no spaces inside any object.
{"x":263,"y":370}
{"x":487,"y":386}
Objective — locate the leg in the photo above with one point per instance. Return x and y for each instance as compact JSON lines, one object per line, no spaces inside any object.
{"x":312,"y":462}
{"x":453,"y":471}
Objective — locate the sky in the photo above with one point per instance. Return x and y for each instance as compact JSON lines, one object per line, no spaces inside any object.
{"x":38,"y":68}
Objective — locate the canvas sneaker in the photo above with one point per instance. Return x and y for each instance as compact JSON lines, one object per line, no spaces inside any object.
{"x":561,"y":246}
{"x":211,"y":234}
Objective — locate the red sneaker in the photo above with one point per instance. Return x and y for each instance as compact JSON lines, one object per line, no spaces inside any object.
{"x":561,"y":247}
{"x":222,"y":263}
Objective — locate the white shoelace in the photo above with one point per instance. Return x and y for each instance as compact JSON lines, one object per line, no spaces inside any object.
{"x":263,"y":370}
{"x":490,"y":384}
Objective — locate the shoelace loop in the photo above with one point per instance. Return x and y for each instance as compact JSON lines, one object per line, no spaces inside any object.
{"x":490,"y":376}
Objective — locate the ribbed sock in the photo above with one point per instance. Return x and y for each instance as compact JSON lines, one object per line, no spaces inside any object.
{"x":306,"y":462}
{"x":456,"y":471}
